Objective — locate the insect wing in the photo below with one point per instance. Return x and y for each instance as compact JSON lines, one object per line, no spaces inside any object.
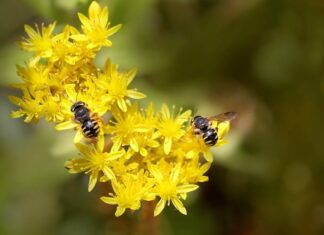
{"x":228,"y":116}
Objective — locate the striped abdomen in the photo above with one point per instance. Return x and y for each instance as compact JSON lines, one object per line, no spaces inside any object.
{"x":90,"y":128}
{"x":210,"y":136}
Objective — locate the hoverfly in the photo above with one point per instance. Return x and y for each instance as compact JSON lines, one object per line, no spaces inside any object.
{"x":83,"y":115}
{"x":202,"y":126}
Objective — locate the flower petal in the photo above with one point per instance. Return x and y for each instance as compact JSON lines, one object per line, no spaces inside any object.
{"x":135,"y":94}
{"x":175,"y":173}
{"x":178,"y":204}
{"x":109,"y":200}
{"x":15,"y":100}
{"x":143,"y":152}
{"x":92,"y":180}
{"x":94,"y":10}
{"x":155,"y":172}
{"x":100,"y":143}
{"x":114,"y":155}
{"x":223,"y":128}
{"x":70,"y":91}
{"x":83,"y":148}
{"x":159,"y":207}
{"x":221,"y":142}
{"x":134,"y":145}
{"x":114,"y":29}
{"x":119,"y":211}
{"x":165,"y":112}
{"x":122,"y":104}
{"x":16,"y":114}
{"x":167,"y":145}
{"x":117,"y":143}
{"x":187,"y":188}
{"x":108,"y":172}
{"x":65,"y":125}
{"x":131,"y":75}
{"x":78,"y":137}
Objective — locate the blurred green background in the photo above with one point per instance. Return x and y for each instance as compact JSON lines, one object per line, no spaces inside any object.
{"x":261,"y":58}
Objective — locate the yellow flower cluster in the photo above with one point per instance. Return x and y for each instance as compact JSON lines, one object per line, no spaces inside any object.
{"x":144,"y":154}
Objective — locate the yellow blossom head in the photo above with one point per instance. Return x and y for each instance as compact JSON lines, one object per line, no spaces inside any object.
{"x":142,"y":153}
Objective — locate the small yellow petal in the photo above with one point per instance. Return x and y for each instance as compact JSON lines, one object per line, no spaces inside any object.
{"x":16,"y":114}
{"x":187,"y":188}
{"x":94,"y":10}
{"x":167,"y":145}
{"x":223,"y":128}
{"x":122,"y":104}
{"x":143,"y":152}
{"x":82,"y":148}
{"x":178,"y":204}
{"x":119,"y":211}
{"x":114,"y":155}
{"x":114,"y":29}
{"x":108,"y":172}
{"x":165,"y":112}
{"x":29,"y":118}
{"x":100,"y":143}
{"x":15,"y":100}
{"x":152,"y":143}
{"x":92,"y":180}
{"x":159,"y":207}
{"x":183,"y":196}
{"x":208,"y":156}
{"x":155,"y":172}
{"x":109,"y":200}
{"x":141,"y":128}
{"x":134,"y":145}
{"x":221,"y":142}
{"x":190,"y":154}
{"x":78,"y":137}
{"x":65,"y":125}
{"x":135,"y":94}
{"x":79,"y":37}
{"x":131,"y":75}
{"x":175,"y":173}
{"x":30,"y":31}
{"x":70,"y":91}
{"x":103,"y":17}
{"x":117,"y":143}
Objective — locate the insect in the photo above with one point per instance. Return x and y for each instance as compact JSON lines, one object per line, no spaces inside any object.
{"x":82,"y":115}
{"x":202,"y":126}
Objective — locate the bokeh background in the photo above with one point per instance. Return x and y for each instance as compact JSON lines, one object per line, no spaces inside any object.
{"x":261,"y":58}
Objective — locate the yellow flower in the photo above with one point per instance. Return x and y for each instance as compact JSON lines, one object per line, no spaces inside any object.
{"x":30,"y":105}
{"x":64,"y":49}
{"x":96,"y":110}
{"x":96,"y":28}
{"x":114,"y":84}
{"x":129,"y":192}
{"x":170,"y":127}
{"x":193,"y":171}
{"x":169,"y":189}
{"x":39,"y":41}
{"x":126,"y":127}
{"x":93,"y":161}
{"x":191,"y":146}
{"x":35,"y":76}
{"x":147,"y":154}
{"x":222,"y":130}
{"x":52,"y":109}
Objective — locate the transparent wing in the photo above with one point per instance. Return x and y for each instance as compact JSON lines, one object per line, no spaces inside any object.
{"x":228,"y":116}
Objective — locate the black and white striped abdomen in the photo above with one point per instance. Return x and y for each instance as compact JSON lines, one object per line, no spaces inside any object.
{"x":90,"y":128}
{"x":210,"y":136}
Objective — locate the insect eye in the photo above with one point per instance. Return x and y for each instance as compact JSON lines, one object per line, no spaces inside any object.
{"x":76,"y":105}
